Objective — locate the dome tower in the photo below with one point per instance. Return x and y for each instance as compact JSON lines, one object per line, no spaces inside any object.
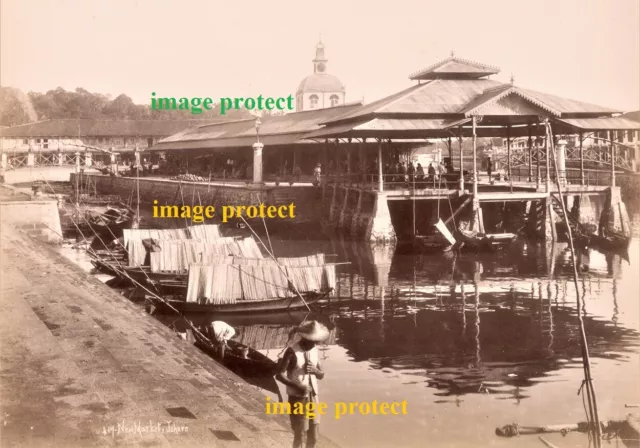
{"x":321,"y":89}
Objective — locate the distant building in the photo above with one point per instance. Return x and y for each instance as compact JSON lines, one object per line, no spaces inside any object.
{"x":71,"y":135}
{"x":321,"y":89}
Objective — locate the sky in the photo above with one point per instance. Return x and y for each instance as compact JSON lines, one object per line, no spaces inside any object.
{"x":587,"y":50}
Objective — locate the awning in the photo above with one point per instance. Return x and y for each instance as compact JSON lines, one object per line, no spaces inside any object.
{"x":600,"y":124}
{"x":390,"y":128}
{"x":227,"y":143}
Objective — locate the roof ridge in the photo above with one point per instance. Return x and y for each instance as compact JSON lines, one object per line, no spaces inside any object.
{"x":453,"y":59}
{"x":515,"y":90}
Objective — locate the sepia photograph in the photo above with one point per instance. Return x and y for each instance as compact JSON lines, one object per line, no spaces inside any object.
{"x":340,"y":224}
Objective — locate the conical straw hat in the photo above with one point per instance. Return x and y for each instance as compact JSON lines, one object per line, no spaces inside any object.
{"x":313,"y":331}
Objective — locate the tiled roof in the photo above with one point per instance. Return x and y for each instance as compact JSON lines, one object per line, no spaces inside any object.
{"x":455,"y":68}
{"x":100,"y":128}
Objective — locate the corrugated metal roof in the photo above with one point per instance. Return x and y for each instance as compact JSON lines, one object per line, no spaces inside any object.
{"x":389,"y":125}
{"x":566,"y":105}
{"x":601,"y":124}
{"x":274,"y":130}
{"x":101,"y":128}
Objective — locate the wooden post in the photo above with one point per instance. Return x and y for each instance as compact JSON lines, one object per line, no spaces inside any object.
{"x":530,"y":143}
{"x":380,"y":179}
{"x":509,"y":152}
{"x":613,"y":159}
{"x":349,"y":158}
{"x":461,"y":168}
{"x":547,"y":187}
{"x":538,"y":161}
{"x":581,"y":161}
{"x":475,"y":168}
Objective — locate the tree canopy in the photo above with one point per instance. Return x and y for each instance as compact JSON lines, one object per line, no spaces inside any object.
{"x":16,"y":107}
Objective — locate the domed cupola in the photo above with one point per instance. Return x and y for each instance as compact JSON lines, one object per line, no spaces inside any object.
{"x":321,"y":89}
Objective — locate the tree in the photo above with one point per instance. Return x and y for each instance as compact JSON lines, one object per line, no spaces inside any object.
{"x":15,"y":107}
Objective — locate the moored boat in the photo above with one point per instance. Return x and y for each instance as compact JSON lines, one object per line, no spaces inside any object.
{"x":275,"y":304}
{"x":475,"y":241}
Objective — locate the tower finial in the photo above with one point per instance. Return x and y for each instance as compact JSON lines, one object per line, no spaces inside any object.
{"x":452,"y":53}
{"x":513,"y":79}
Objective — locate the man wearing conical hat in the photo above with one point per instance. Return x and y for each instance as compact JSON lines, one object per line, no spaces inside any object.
{"x":300,"y":371}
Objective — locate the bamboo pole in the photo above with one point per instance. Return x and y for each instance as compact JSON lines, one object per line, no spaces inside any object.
{"x":591,"y":395}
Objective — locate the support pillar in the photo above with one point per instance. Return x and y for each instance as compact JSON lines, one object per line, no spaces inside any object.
{"x":3,"y":162}
{"x":60,"y":158}
{"x":379,"y":228}
{"x":581,"y":160}
{"x":586,"y":213}
{"x":615,"y":218}
{"x":380,"y":177}
{"x":344,"y":221}
{"x":541,"y":222}
{"x":77,"y":154}
{"x":355,"y":219}
{"x":561,"y":161}
{"x":332,"y":206}
{"x":461,"y":168}
{"x":613,"y":159}
{"x":547,"y":185}
{"x":475,"y":161}
{"x":477,"y":219}
{"x":530,"y":145}
{"x":348,"y":150}
{"x":362,"y":160}
{"x":31,"y":158}
{"x":88,"y":161}
{"x":509,"y":153}
{"x":257,"y":162}
{"x":550,"y":219}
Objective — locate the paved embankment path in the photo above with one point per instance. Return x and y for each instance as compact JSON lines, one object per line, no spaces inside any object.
{"x":78,"y":360}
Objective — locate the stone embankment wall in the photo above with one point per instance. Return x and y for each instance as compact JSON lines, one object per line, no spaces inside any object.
{"x":39,"y":219}
{"x":172,"y":192}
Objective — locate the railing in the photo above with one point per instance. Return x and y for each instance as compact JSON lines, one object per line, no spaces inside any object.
{"x":571,"y":175}
{"x":396,"y":181}
{"x":519,"y":175}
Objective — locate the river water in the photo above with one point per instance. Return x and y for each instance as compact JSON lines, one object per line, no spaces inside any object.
{"x":470,"y":342}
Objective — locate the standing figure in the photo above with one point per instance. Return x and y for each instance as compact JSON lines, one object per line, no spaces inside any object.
{"x":419,"y":172}
{"x":489,"y":167}
{"x":300,"y":371}
{"x":317,"y":172}
{"x":296,"y":173}
{"x":432,"y":173}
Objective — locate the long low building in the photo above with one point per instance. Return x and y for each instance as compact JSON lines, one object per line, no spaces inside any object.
{"x":71,"y":135}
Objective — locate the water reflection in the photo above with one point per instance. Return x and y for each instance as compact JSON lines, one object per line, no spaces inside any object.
{"x":468,"y":323}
